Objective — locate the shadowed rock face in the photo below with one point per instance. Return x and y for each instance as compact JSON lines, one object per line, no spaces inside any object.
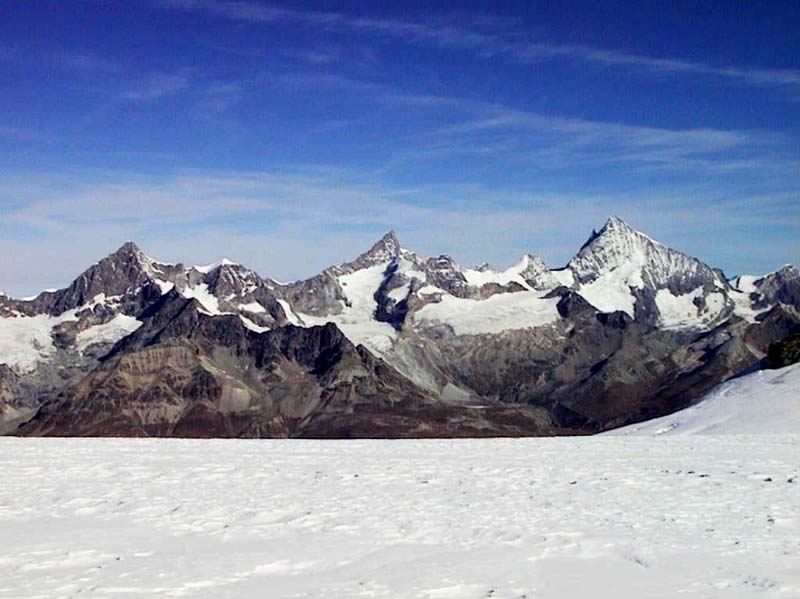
{"x":781,"y":286}
{"x":187,"y":374}
{"x":138,"y":347}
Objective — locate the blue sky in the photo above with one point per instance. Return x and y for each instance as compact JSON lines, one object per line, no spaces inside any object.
{"x":290,"y":136}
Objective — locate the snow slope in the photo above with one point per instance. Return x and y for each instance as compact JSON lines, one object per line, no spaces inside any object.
{"x":600,"y":517}
{"x":25,"y":341}
{"x":112,"y":331}
{"x":201,"y":293}
{"x":766,"y":402}
{"x":357,"y":320}
{"x":500,"y":312}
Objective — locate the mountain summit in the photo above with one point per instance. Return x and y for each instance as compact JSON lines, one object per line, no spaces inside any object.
{"x":386,"y":249}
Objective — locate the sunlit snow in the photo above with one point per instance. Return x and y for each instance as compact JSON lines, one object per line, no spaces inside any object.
{"x":356,"y":319}
{"x":500,"y":312}
{"x":27,"y":340}
{"x":112,"y":331}
{"x":600,"y":517}
{"x":764,"y":402}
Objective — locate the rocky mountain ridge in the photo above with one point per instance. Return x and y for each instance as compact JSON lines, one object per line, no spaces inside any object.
{"x":628,"y":329}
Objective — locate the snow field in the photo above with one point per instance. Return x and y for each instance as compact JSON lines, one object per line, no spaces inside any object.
{"x":766,"y":402}
{"x":498,"y":313}
{"x":25,"y":341}
{"x":655,"y":517}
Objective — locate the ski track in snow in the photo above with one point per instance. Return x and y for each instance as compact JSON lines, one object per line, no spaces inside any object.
{"x":640,"y":517}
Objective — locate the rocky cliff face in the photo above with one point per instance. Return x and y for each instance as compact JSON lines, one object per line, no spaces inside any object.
{"x":189,"y":374}
{"x":389,"y":344}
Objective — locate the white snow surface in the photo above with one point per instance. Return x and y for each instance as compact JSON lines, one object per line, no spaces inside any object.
{"x":680,"y":312}
{"x":254,"y":307}
{"x":677,"y":311}
{"x":745,"y":283}
{"x":165,"y":286}
{"x":478,"y":278}
{"x":613,"y":291}
{"x":249,"y":324}
{"x":500,"y":312}
{"x":207,"y":299}
{"x":602,"y":517}
{"x":357,"y":320}
{"x":742,"y":304}
{"x":112,"y":331}
{"x":290,"y":314}
{"x":27,"y":340}
{"x":766,"y":402}
{"x":207,"y":268}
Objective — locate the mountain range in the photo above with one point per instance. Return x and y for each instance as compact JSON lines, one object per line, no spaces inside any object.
{"x":391,"y":344}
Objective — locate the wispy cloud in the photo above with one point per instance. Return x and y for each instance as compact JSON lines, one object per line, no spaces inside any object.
{"x":155,"y":86}
{"x":269,"y":219}
{"x":656,"y":65}
{"x":501,"y":132}
{"x":485,"y":38}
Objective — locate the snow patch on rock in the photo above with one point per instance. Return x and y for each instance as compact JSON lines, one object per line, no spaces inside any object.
{"x":112,"y":331}
{"x":201,"y":293}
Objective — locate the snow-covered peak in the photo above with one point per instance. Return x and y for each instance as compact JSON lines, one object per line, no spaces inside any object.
{"x":442,"y":262}
{"x":786,"y":272}
{"x":207,"y":268}
{"x":530,"y":272}
{"x":781,"y":286}
{"x":618,"y":247}
{"x":536,"y":273}
{"x":616,"y":244}
{"x":615,"y":225}
{"x":620,"y":268}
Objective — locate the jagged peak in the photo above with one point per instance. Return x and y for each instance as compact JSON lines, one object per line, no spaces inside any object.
{"x":442,"y":262}
{"x":786,"y":272}
{"x":386,"y":249}
{"x":617,"y":233}
{"x":127,"y":249}
{"x":633,"y":259}
{"x":529,"y":259}
{"x":130,"y":246}
{"x":788,"y":269}
{"x":387,"y":245}
{"x":615,"y":222}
